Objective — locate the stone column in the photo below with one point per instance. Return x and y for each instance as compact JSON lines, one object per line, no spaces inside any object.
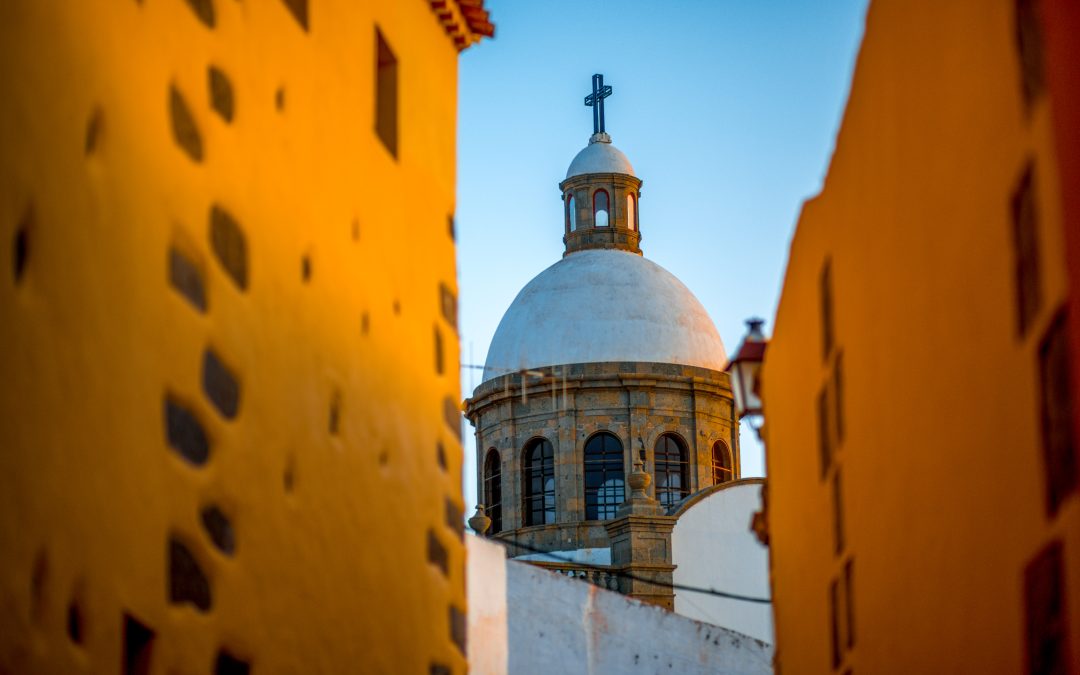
{"x":567,"y":508}
{"x":640,"y":538}
{"x":736,"y":447}
{"x":478,"y":437}
{"x":638,"y":406}
{"x":509,"y":449}
{"x":701,"y":444}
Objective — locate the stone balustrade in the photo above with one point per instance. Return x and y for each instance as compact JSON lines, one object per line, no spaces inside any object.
{"x":597,"y":575}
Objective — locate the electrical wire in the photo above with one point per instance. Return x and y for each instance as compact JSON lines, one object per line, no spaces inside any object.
{"x":633,"y":577}
{"x":626,"y":575}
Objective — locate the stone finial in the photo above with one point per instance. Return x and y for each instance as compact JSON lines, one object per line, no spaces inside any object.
{"x":480,"y":521}
{"x":639,"y":502}
{"x":639,"y":480}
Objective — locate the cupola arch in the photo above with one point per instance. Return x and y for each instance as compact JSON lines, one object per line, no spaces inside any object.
{"x":493,"y":489}
{"x":672,"y":469}
{"x":721,"y":463}
{"x":602,"y":199}
{"x":604,"y":472}
{"x":538,"y":482}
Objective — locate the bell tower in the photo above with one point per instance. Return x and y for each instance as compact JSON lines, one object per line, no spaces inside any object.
{"x":601,"y":194}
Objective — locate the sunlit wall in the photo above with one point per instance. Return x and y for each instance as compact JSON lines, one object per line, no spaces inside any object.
{"x":921,"y":513}
{"x":229,"y":362}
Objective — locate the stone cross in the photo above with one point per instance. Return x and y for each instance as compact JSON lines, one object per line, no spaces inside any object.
{"x":595,"y":100}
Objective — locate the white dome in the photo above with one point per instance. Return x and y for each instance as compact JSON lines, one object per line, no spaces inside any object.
{"x":604,"y":305}
{"x":599,"y":157}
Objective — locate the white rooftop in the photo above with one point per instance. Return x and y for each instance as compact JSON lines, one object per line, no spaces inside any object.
{"x":601,"y":306}
{"x":599,"y":156}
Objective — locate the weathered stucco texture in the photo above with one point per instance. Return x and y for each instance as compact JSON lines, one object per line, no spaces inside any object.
{"x":230,"y":382}
{"x":713,"y":547}
{"x":567,"y":626}
{"x":933,"y":500}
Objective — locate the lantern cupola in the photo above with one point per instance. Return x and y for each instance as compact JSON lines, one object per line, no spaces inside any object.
{"x":601,"y":193}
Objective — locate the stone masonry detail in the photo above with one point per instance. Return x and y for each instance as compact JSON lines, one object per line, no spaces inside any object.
{"x":566,"y":404}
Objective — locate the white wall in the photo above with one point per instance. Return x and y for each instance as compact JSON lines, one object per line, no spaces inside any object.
{"x":713,"y":547}
{"x":569,"y":627}
{"x":485,"y":586}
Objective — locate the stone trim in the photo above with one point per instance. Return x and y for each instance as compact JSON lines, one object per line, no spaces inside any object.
{"x":616,"y":234}
{"x":628,"y":372}
{"x":632,"y":400}
{"x":696,"y":497}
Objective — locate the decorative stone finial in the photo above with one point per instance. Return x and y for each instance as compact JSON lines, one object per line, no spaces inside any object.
{"x":480,"y":521}
{"x":639,"y":502}
{"x":639,"y":480}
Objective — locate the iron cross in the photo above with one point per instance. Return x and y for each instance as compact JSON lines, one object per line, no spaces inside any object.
{"x":595,"y":100}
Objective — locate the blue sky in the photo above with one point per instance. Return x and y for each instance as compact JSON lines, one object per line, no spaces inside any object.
{"x":727,"y":109}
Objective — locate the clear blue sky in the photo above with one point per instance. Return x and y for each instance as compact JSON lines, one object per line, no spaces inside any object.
{"x":728,"y":110}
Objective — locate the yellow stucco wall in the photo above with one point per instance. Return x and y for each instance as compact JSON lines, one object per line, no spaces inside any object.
{"x":333,"y":568}
{"x":943,"y":488}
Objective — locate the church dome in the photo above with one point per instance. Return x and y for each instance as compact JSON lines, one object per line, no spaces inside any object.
{"x":604,"y":305}
{"x":600,"y":156}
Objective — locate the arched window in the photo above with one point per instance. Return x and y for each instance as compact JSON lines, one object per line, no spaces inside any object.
{"x":721,"y":463}
{"x":493,"y":490}
{"x":672,"y":470}
{"x":571,"y":212}
{"x":600,"y":208}
{"x":604,"y":489}
{"x":631,"y":212}
{"x":539,"y":478}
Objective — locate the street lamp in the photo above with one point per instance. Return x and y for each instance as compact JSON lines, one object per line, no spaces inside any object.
{"x":744,"y":369}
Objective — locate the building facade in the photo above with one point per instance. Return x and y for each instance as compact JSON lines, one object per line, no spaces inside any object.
{"x":211,"y":403}
{"x":923,"y":511}
{"x":553,"y":494}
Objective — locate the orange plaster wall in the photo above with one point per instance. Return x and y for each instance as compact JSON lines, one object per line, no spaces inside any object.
{"x":332,"y":569}
{"x":1061,"y":23}
{"x":943,"y":479}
